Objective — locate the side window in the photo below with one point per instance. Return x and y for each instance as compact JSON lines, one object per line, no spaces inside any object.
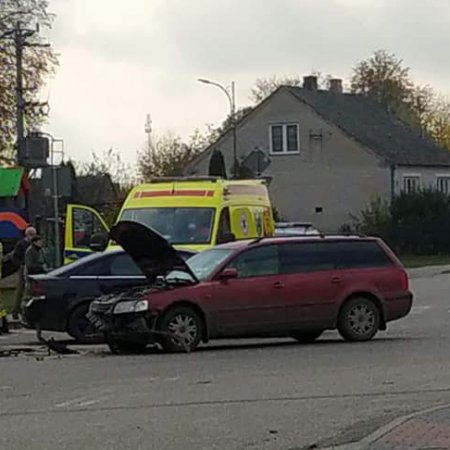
{"x":99,"y":267}
{"x":306,"y":257}
{"x":224,"y":225}
{"x":257,"y":262}
{"x":411,"y":184}
{"x":85,"y":225}
{"x":123,"y":265}
{"x":359,"y":255}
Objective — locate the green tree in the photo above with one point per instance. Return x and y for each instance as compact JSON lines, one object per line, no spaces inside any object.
{"x":265,"y":86}
{"x":109,"y":163}
{"x":384,"y":78}
{"x":169,"y":156}
{"x":217,"y":166}
{"x":122,"y":174}
{"x":39,"y":62}
{"x":227,"y":124}
{"x":413,"y":223}
{"x":436,"y":121}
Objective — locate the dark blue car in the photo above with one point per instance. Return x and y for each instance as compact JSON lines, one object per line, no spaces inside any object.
{"x":60,"y":299}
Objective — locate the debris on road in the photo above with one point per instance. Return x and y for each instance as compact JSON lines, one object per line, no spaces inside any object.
{"x":52,"y":345}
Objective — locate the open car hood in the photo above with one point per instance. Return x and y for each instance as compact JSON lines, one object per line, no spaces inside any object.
{"x":150,"y":251}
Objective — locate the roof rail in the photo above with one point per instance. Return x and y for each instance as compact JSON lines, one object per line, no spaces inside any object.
{"x":347,"y":235}
{"x":306,"y":236}
{"x":293,"y":224}
{"x":190,"y":178}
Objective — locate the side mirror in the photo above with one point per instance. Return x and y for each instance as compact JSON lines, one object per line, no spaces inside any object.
{"x":226,"y":237}
{"x":98,"y":242}
{"x":229,"y":237}
{"x":228,"y":274}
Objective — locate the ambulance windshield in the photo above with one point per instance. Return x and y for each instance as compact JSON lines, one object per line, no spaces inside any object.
{"x":177,"y":225}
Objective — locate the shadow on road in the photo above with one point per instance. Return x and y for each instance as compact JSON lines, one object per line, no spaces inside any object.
{"x":260,"y":344}
{"x":321,"y":343}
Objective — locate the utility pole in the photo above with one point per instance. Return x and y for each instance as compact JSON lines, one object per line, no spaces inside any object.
{"x":148,"y":131}
{"x":18,"y":42}
{"x":19,"y":37}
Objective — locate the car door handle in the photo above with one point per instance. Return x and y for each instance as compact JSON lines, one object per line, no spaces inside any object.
{"x":336,"y":280}
{"x":278,"y":285}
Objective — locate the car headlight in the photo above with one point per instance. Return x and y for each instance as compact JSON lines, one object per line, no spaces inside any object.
{"x":130,"y":307}
{"x":141,"y":305}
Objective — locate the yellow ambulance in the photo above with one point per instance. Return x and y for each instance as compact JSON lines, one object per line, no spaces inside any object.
{"x":191,"y":213}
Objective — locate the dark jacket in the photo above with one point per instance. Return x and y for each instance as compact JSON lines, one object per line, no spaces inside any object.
{"x":34,"y":260}
{"x":19,"y":251}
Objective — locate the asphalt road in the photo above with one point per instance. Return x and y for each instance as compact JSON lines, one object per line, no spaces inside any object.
{"x":231,"y":395}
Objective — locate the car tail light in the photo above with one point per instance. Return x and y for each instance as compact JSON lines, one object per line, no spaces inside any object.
{"x":36,"y":289}
{"x":404,"y":281}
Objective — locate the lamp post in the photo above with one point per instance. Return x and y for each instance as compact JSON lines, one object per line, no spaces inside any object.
{"x":232,"y":100}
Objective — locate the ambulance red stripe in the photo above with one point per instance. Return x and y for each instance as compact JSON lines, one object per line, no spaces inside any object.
{"x":176,"y":193}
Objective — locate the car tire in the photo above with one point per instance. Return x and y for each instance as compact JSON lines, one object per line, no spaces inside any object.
{"x":181,"y":330}
{"x":306,"y":337}
{"x":126,"y":347}
{"x":359,"y":320}
{"x":79,"y":327}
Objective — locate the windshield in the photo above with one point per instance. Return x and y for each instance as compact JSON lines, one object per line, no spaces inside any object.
{"x":202,"y":264}
{"x":177,"y":225}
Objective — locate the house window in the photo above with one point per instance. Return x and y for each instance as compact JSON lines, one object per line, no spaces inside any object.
{"x":411,"y":184}
{"x":443,"y":185}
{"x":284,"y":139}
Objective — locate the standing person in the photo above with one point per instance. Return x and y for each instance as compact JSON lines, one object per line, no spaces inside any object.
{"x":19,"y":258}
{"x":34,"y":257}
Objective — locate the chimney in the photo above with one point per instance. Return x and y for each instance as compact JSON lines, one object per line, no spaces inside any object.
{"x":335,"y":85}
{"x":310,"y":83}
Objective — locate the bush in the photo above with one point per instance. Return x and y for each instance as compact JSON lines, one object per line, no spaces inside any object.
{"x":415,"y":223}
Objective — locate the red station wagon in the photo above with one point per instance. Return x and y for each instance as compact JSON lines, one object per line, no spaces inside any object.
{"x":289,"y":286}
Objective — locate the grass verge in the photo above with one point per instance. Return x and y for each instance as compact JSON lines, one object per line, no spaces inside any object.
{"x":414,"y":261}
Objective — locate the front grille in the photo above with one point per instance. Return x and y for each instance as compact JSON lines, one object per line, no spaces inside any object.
{"x":101,"y":307}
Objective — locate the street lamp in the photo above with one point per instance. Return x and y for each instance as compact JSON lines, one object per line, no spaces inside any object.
{"x":232,"y":100}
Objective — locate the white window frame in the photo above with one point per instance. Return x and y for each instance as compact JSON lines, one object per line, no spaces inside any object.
{"x":284,"y":126}
{"x":440,"y":177}
{"x":415,"y":176}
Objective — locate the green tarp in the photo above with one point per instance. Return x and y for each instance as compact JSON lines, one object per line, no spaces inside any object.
{"x":10,"y":181}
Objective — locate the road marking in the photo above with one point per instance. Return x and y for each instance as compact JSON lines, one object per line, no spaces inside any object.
{"x":83,"y":401}
{"x":71,"y":402}
{"x":420,"y":309}
{"x":92,"y":402}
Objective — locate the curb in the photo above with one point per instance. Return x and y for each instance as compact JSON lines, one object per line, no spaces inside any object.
{"x":428,"y":271}
{"x":364,"y":443}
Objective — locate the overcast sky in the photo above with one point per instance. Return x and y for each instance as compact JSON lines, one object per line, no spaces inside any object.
{"x":120,"y":60}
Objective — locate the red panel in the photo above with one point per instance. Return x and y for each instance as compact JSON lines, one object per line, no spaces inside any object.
{"x":14,"y":218}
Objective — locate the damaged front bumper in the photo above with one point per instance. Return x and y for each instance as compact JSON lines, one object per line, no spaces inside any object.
{"x":115,"y":321}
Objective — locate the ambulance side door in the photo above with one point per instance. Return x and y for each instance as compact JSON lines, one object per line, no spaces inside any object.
{"x":82,"y":224}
